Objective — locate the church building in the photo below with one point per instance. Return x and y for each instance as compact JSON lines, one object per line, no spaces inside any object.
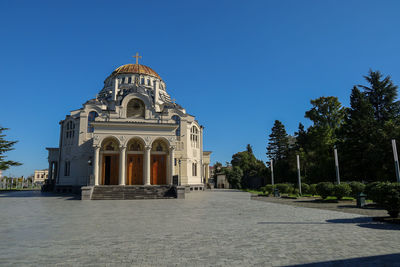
{"x":131,"y":135}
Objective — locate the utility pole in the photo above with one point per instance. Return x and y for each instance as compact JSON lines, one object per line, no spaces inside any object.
{"x":272,"y":172}
{"x":298,"y":173}
{"x":396,"y":160}
{"x":337,"y":166}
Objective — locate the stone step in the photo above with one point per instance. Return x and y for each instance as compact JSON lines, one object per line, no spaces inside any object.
{"x":133,"y":192}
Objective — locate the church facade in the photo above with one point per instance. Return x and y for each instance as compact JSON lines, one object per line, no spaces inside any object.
{"x":132,"y":133}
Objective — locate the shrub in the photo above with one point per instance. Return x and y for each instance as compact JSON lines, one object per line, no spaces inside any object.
{"x":283,"y":188}
{"x":357,"y":188}
{"x":391,"y":201}
{"x":376,"y":192}
{"x":290,"y":189}
{"x":313,"y":189}
{"x":269,"y":188}
{"x":342,"y":190}
{"x":264,"y":190}
{"x":325,"y":189}
{"x":296,"y":191}
{"x":305,"y":188}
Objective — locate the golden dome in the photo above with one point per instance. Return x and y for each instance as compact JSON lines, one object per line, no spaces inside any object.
{"x":136,"y":69}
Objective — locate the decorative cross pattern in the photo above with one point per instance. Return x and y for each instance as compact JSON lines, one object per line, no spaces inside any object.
{"x":137,"y":58}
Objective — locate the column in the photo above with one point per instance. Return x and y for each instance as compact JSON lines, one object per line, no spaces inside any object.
{"x":122,"y":165}
{"x":96,"y":164}
{"x":171,"y":164}
{"x":50,"y":177}
{"x":147,"y":165}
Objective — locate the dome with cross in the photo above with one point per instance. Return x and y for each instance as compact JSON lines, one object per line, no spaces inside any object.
{"x":136,"y":69}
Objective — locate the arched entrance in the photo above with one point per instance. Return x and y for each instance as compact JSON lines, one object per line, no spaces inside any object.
{"x":110,"y":162}
{"x":134,"y":164}
{"x":158,"y":163}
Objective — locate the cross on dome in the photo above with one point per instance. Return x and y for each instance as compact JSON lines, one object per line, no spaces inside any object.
{"x":137,"y":58}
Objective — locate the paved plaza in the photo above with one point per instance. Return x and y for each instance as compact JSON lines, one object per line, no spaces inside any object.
{"x":213,"y":228}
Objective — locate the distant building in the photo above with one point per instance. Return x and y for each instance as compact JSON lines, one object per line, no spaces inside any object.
{"x":40,"y":176}
{"x":222,"y":182}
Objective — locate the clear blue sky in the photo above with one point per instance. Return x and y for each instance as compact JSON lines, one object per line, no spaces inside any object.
{"x":236,"y":65}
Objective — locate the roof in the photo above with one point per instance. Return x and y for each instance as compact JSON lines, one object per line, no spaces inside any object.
{"x":136,"y":69}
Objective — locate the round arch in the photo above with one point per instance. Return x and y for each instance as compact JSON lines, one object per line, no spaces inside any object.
{"x":109,"y":161}
{"x":128,"y":98}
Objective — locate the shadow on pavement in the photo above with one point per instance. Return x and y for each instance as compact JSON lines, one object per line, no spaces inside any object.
{"x":37,"y":194}
{"x":381,"y":260}
{"x":365,"y":222}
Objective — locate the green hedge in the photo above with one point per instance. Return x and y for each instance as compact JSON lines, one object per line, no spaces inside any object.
{"x":325,"y":189}
{"x":356,"y":188}
{"x":386,"y":195}
{"x":341,"y":190}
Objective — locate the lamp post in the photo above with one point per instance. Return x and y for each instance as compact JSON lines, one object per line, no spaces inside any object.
{"x":298,"y":172}
{"x":396,"y":160}
{"x":272,"y":172}
{"x":336,"y":166}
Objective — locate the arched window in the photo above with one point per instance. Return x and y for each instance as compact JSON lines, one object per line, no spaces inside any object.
{"x":194,"y":169}
{"x":142,"y":81}
{"x":148,"y":82}
{"x":135,"y":145}
{"x":91,"y":118}
{"x":159,"y":146}
{"x":194,"y":137}
{"x":177,"y":120}
{"x":130,"y":80}
{"x":110,"y":144}
{"x":135,"y":109}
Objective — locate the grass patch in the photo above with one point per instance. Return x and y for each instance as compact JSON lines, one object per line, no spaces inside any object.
{"x":256,"y":192}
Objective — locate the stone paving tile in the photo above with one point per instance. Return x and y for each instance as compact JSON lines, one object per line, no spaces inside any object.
{"x":220,"y":228}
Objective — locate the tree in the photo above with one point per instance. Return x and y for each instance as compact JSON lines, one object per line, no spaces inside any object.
{"x":278,"y":143}
{"x":234,"y":176}
{"x":278,"y":150}
{"x":382,"y":94}
{"x":358,"y":138}
{"x":249,"y":164}
{"x":6,"y":146}
{"x":327,"y":115}
{"x":371,"y":123}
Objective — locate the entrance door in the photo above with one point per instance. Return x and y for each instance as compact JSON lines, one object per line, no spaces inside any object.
{"x":158,"y":169}
{"x":135,"y":169}
{"x":110,"y":169}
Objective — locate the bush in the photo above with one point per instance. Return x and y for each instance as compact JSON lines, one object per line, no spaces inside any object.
{"x":376,"y":192}
{"x":264,"y":190}
{"x":356,"y":188}
{"x":305,"y":188}
{"x":386,"y":195}
{"x":269,"y":188}
{"x":392,"y":199}
{"x":313,"y":189}
{"x":296,"y":191}
{"x":342,"y":190}
{"x":285,"y":188}
{"x":325,"y":189}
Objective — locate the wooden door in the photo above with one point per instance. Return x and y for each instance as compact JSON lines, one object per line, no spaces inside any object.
{"x":135,"y":169}
{"x":158,"y":170}
{"x":110,"y":169}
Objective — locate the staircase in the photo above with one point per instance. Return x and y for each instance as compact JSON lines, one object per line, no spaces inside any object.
{"x":106,"y":192}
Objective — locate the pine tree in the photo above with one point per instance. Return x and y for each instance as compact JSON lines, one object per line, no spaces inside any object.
{"x":382,"y":94}
{"x":358,"y":139}
{"x":278,"y":144}
{"x":6,"y":146}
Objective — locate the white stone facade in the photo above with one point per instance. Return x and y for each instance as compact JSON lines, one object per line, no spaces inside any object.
{"x":131,"y":128}
{"x":40,"y":176}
